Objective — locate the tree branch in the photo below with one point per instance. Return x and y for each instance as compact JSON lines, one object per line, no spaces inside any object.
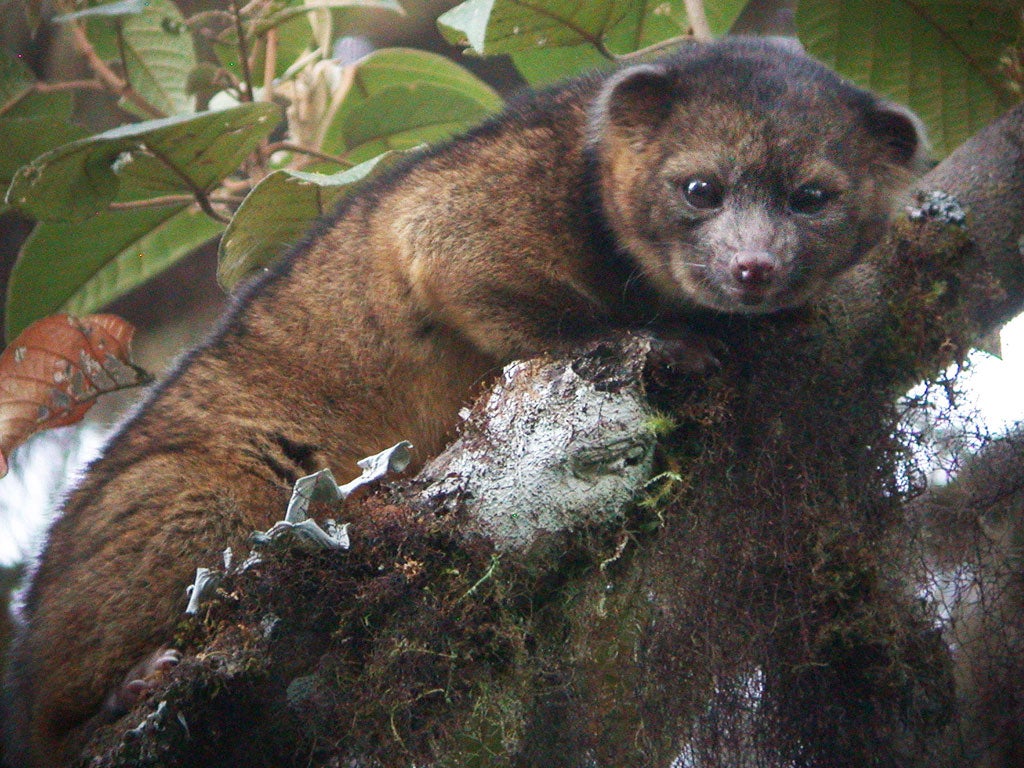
{"x":965,"y":237}
{"x":698,"y":19}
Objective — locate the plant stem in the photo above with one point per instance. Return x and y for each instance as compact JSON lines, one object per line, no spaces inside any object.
{"x":654,"y":48}
{"x":69,"y":85}
{"x":243,"y":52}
{"x":269,"y":64}
{"x":287,"y":146}
{"x":167,"y":200}
{"x":107,"y":76}
{"x":201,"y":196}
{"x":698,"y":19}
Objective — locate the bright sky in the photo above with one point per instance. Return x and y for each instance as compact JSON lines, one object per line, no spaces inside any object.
{"x":996,"y":383}
{"x":993,"y":388}
{"x":28,"y":492}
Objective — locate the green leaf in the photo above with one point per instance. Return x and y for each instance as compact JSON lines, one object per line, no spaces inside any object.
{"x":548,"y":65}
{"x":107,"y":10}
{"x":103,"y":38}
{"x":610,"y":27}
{"x":81,"y":267}
{"x":722,"y":14}
{"x":159,"y":55}
{"x":404,"y":116}
{"x":466,"y":24}
{"x":16,"y":80}
{"x":174,"y":155}
{"x":297,"y":7}
{"x":28,"y":137}
{"x":162,"y":247}
{"x":55,"y":104}
{"x":939,"y":57}
{"x":401,"y":98}
{"x":279,"y":211}
{"x":18,"y":97}
{"x":646,"y":22}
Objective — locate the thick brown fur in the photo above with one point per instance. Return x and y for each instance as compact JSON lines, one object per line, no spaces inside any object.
{"x":558,"y":221}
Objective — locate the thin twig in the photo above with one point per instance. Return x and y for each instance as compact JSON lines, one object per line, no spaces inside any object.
{"x":287,"y":146}
{"x":201,"y":196}
{"x":488,"y":574}
{"x":107,"y":76}
{"x":122,"y":52}
{"x":270,"y":64}
{"x":168,"y":200}
{"x":655,"y":48}
{"x":243,"y":52}
{"x":69,"y":85}
{"x":41,"y":87}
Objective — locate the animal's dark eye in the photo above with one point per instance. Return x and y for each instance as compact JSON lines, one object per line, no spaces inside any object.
{"x":809,"y":198}
{"x":702,"y":193}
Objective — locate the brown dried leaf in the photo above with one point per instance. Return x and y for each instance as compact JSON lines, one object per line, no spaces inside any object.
{"x":53,"y":372}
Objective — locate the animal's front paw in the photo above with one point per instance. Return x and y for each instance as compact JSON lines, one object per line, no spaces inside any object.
{"x":141,"y":680}
{"x":682,"y":353}
{"x":628,"y":357}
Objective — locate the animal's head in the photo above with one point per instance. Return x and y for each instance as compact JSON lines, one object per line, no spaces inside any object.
{"x":743,"y":176}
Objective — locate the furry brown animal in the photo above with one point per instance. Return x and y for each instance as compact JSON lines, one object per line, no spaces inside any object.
{"x":731,"y":177}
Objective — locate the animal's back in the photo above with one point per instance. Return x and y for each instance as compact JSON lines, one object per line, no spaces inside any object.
{"x":328,"y":360}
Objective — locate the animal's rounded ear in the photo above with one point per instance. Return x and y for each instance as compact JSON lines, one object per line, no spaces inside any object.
{"x":633,"y":102}
{"x":902,"y":134}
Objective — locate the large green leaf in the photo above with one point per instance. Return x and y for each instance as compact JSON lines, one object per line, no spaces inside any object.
{"x":508,"y":26}
{"x":159,"y":55}
{"x":174,"y":155}
{"x":643,"y":25}
{"x":279,"y":211}
{"x":490,"y":27}
{"x":939,"y":57}
{"x":550,"y":40}
{"x":79,"y":267}
{"x":155,"y":47}
{"x":55,"y":104}
{"x":547,"y":65}
{"x":401,"y":98}
{"x":160,"y":248}
{"x":26,"y":138}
